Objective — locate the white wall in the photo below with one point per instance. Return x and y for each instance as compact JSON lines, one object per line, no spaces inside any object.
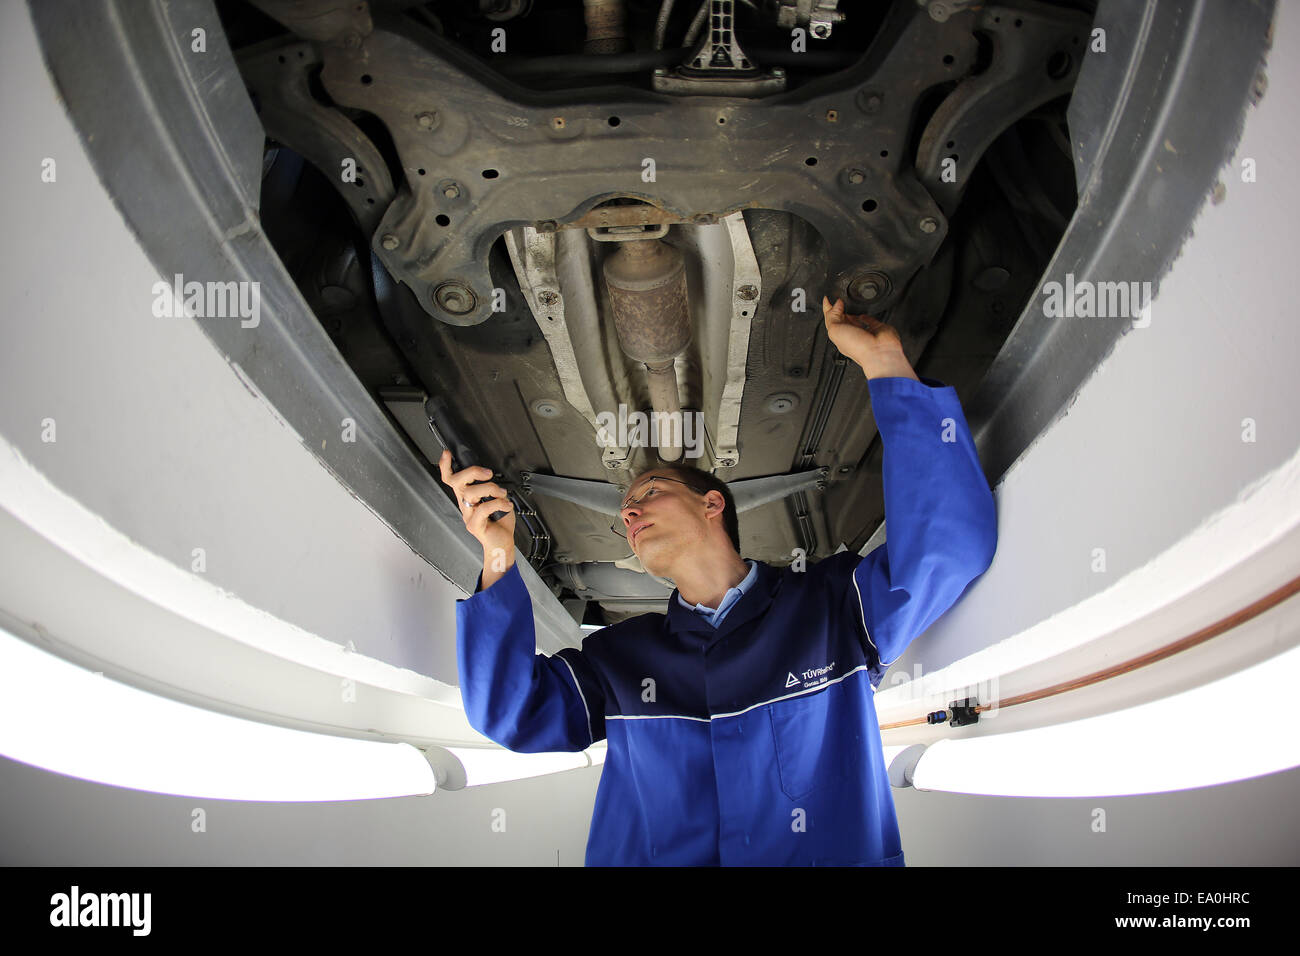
{"x":1149,"y":464}
{"x":157,"y":435}
{"x":49,"y":820}
{"x":1151,"y":448}
{"x":1249,"y":823}
{"x":155,"y":432}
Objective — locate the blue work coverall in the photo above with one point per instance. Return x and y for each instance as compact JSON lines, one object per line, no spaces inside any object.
{"x":754,"y":743}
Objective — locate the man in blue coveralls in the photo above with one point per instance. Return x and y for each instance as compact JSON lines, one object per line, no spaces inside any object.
{"x":741,"y":725}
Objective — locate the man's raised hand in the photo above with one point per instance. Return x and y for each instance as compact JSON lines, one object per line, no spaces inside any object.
{"x":871,"y":343}
{"x":478,"y":502}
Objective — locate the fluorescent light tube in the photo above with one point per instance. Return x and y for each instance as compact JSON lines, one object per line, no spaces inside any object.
{"x":1234,"y":728}
{"x":498,"y":766}
{"x":68,"y":720}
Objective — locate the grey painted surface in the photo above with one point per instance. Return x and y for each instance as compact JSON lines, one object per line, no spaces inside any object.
{"x":1248,"y":823}
{"x":46,"y":595}
{"x":1251,"y":823}
{"x":155,"y":431}
{"x":59,"y":821}
{"x":1151,"y":447}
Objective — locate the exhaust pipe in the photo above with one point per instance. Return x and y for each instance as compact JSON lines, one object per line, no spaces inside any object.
{"x":605,"y":30}
{"x":647,"y":293}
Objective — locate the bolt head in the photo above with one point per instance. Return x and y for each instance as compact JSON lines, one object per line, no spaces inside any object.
{"x":454,"y":298}
{"x":856,"y":176}
{"x":929,"y":224}
{"x":871,"y":286}
{"x":747,"y":292}
{"x":426,"y":120}
{"x":390,"y":242}
{"x":451,"y":192}
{"x":781,"y":402}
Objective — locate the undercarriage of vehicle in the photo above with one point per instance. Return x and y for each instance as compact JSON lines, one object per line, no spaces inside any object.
{"x":573,"y":241}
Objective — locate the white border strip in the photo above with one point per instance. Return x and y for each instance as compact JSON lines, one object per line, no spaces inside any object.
{"x":1264,"y":511}
{"x":31,"y":498}
{"x":1177,"y":743}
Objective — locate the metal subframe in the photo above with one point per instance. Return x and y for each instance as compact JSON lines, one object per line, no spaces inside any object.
{"x":481,"y":155}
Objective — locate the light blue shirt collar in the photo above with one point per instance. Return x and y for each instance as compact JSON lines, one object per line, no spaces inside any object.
{"x":729,"y":599}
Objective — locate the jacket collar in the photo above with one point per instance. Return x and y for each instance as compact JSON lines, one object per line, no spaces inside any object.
{"x":751,"y":604}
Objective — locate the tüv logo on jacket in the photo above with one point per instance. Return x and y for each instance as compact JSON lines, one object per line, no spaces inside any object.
{"x":810,"y":678}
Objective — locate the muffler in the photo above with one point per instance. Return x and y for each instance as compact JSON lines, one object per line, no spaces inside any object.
{"x":647,"y":293}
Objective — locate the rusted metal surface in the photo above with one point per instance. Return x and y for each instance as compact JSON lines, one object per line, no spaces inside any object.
{"x":834,"y":153}
{"x":647,"y":293}
{"x":276,"y":74}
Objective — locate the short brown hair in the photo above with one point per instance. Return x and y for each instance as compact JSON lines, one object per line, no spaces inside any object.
{"x":702,"y":482}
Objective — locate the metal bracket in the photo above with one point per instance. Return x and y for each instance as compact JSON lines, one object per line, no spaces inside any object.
{"x":1039,"y":52}
{"x":941,"y":10}
{"x":749,"y":493}
{"x":719,"y":67}
{"x":820,"y":16}
{"x":607,"y":499}
{"x":533,"y":254}
{"x":746,"y":293}
{"x":599,"y":496}
{"x":276,"y":75}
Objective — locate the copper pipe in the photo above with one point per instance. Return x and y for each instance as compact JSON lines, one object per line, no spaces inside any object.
{"x":1204,"y":634}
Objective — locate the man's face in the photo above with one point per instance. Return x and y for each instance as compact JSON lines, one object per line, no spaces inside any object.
{"x":667,"y":520}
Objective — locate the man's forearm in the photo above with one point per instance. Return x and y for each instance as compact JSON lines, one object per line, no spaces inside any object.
{"x":495,"y":566}
{"x":898,"y":367}
{"x":940,"y":514}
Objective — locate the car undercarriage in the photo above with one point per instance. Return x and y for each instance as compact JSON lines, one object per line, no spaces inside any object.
{"x":574,"y":241}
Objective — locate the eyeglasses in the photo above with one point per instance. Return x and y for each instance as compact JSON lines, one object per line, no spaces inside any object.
{"x":618,"y":526}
